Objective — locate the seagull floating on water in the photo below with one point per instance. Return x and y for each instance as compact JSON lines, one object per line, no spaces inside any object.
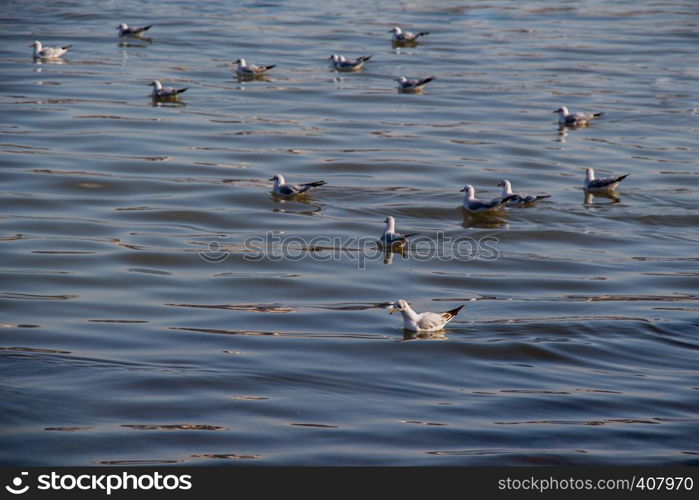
{"x":160,"y":92}
{"x":250,"y":70}
{"x":41,"y":52}
{"x":390,"y":239}
{"x":574,"y":119}
{"x":284,"y":189}
{"x":400,"y":36}
{"x":427,"y":321}
{"x":124,"y":30}
{"x":416,"y":85}
{"x":341,"y":63}
{"x":519,"y":198}
{"x":606,"y":184}
{"x":479,"y":205}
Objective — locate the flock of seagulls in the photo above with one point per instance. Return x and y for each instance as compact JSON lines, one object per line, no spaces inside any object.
{"x":244,"y":70}
{"x":389,"y":240}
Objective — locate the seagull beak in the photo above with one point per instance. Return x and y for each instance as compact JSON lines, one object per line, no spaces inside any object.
{"x":462,"y":190}
{"x":395,"y":309}
{"x":271,"y":179}
{"x":557,"y":111}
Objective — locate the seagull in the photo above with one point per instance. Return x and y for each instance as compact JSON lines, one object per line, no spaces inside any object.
{"x":519,"y":198}
{"x":427,"y":321}
{"x":574,"y":119}
{"x":341,"y":63}
{"x":601,"y":185}
{"x":400,"y":36}
{"x":479,"y":205}
{"x":124,"y":30}
{"x":284,"y":189}
{"x":160,"y":92}
{"x":41,"y":52}
{"x":405,"y":85}
{"x":245,"y":69}
{"x":390,"y":239}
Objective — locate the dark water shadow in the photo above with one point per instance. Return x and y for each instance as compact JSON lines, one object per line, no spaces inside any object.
{"x":588,"y":198}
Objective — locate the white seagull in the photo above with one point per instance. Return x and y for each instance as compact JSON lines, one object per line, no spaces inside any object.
{"x":245,"y":69}
{"x":391,"y":239}
{"x":41,"y":52}
{"x":160,"y":92}
{"x":341,"y":63}
{"x":124,"y":30}
{"x":574,"y":119}
{"x":519,"y":198}
{"x":606,"y":184}
{"x":284,"y":189}
{"x":425,"y":322}
{"x":479,"y":205}
{"x":400,"y":36}
{"x":405,"y":85}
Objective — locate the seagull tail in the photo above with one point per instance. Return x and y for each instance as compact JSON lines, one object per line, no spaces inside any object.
{"x":542,"y":196}
{"x":364,"y":58}
{"x":427,"y":80}
{"x":621,"y":178}
{"x":315,"y":184}
{"x":270,"y":67}
{"x":409,"y":235}
{"x":145,"y":28}
{"x":450,"y":314}
{"x":66,"y":47}
{"x":597,"y":115}
{"x":179,"y":91}
{"x":422,"y":33}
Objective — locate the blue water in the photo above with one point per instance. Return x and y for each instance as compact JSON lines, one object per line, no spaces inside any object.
{"x":137,"y":328}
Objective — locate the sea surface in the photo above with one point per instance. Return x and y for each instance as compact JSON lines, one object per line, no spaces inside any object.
{"x":158,"y":305}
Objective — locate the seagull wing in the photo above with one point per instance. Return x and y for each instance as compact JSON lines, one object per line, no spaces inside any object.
{"x":435,"y":321}
{"x":431,"y":321}
{"x":605,"y":182}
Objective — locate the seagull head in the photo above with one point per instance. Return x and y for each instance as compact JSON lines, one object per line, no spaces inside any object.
{"x":36,"y":44}
{"x":469,"y":190}
{"x":395,"y":30}
{"x":399,"y":305}
{"x":506,"y":186}
{"x":390,"y":224}
{"x":589,"y":174}
{"x":402,"y":79}
{"x":240,"y":62}
{"x":562,"y":110}
{"x":122,"y":26}
{"x":156,"y":84}
{"x":334,"y":57}
{"x":278,"y":179}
